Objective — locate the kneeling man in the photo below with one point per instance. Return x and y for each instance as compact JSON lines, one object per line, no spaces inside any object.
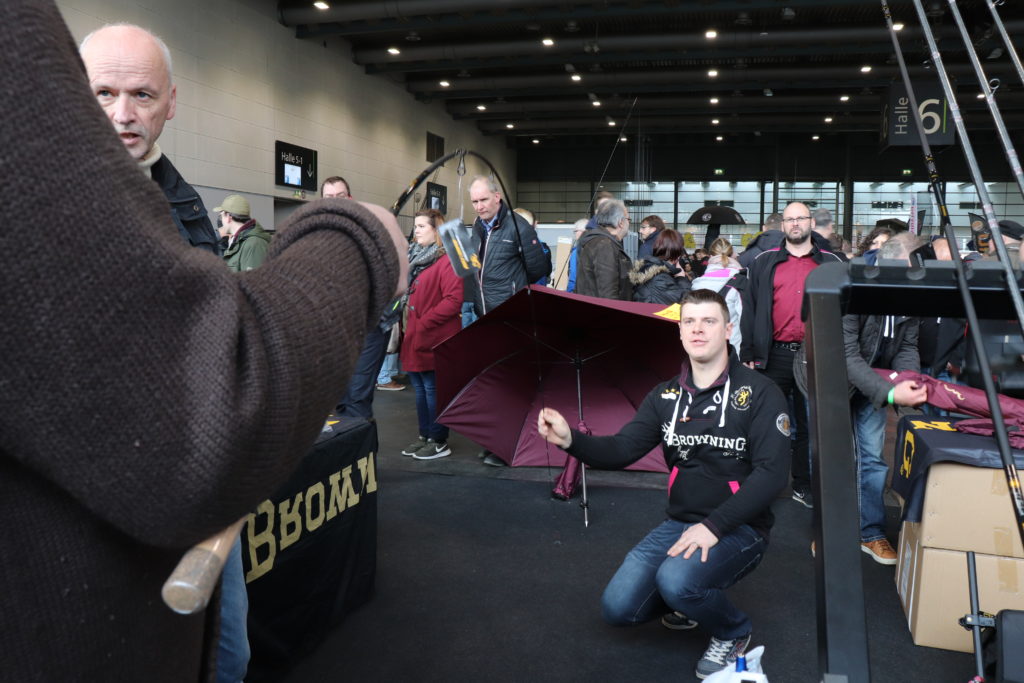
{"x":724,"y":431}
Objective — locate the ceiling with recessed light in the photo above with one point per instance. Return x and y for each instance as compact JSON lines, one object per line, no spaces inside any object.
{"x":552,"y":72}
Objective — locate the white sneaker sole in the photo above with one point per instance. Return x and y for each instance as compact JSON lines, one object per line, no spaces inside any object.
{"x":432,"y":456}
{"x":876,"y":558}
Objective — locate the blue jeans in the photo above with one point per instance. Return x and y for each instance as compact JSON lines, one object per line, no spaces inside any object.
{"x":358,"y":399}
{"x":468,"y":313}
{"x":650,"y":583}
{"x":233,"y":646}
{"x":869,"y":439}
{"x":388,"y":369}
{"x":426,"y":405}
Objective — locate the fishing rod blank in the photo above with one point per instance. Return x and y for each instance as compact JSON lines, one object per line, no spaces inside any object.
{"x":972,"y":163}
{"x":1006,"y":38}
{"x":929,"y":158}
{"x":990,"y":99}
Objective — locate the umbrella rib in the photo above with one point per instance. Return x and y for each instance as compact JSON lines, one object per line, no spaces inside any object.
{"x":538,"y":340}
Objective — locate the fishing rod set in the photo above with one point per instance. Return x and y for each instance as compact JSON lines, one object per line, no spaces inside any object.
{"x":842,"y":642}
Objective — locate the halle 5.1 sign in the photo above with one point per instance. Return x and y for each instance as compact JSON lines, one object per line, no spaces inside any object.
{"x":294,"y":166}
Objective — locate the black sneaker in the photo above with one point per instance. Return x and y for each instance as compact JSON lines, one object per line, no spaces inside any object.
{"x":720,"y":654}
{"x":415,"y":446}
{"x":432,"y":450}
{"x":804,"y":498}
{"x":493,"y":460}
{"x":677,"y":621}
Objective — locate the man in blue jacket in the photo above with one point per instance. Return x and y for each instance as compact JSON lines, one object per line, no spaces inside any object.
{"x":724,"y":431}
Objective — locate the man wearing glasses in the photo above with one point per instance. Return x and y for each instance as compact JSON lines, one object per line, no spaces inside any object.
{"x":773,"y":330}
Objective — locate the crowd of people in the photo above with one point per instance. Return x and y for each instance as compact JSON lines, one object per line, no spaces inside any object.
{"x":215,"y":374}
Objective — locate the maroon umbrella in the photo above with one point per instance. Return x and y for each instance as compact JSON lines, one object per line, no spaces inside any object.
{"x":957,"y":397}
{"x":547,"y":348}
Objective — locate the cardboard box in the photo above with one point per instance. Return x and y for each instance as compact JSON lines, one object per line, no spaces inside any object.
{"x":560,"y":267}
{"x":969,"y":508}
{"x":932,"y":584}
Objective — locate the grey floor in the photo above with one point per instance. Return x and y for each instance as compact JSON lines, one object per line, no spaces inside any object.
{"x":481,"y":576}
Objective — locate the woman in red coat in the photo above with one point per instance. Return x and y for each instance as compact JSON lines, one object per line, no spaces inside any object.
{"x":432,"y":315}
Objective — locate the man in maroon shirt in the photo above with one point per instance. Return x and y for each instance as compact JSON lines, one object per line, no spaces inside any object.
{"x":773,"y":330}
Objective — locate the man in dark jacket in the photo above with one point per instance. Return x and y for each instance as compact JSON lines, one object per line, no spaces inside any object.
{"x":510,"y":253}
{"x":724,"y":431}
{"x":772,"y":328}
{"x":602,"y":265}
{"x":190,"y":393}
{"x":889,"y":342}
{"x":117,"y":85}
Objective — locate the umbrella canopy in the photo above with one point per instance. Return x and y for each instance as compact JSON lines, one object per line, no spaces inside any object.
{"x":716,"y":215}
{"x":546,"y":348}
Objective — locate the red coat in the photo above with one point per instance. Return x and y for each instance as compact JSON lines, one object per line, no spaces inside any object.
{"x":432,"y":314}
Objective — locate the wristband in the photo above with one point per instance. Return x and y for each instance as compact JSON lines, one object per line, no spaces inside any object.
{"x":892,"y":395}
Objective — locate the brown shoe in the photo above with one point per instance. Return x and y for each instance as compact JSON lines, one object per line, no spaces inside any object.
{"x":880,"y":551}
{"x":391,"y":386}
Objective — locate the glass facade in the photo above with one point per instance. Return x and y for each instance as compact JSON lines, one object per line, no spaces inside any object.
{"x":674,"y":202}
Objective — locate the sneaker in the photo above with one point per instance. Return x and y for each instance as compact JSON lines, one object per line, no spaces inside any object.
{"x":720,"y":654}
{"x":493,"y":460}
{"x":677,"y":621}
{"x":804,"y":498}
{"x":432,"y":450}
{"x":880,"y":551}
{"x":391,"y":386}
{"x":415,"y":446}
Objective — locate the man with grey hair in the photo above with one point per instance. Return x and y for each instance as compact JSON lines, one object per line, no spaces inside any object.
{"x":129,"y":71}
{"x":823,"y":223}
{"x":899,"y":246}
{"x":510,"y":253}
{"x":603,"y":266}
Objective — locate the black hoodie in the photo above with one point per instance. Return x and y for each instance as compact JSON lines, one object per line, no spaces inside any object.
{"x":725,"y":468}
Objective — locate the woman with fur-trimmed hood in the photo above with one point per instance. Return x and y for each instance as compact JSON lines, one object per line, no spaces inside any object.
{"x":659,"y":279}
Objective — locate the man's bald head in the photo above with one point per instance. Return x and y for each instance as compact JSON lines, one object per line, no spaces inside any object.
{"x":129,"y":72}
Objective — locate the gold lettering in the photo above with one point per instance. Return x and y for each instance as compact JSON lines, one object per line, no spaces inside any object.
{"x":315,"y":491}
{"x":908,"y":454}
{"x":368,"y":473}
{"x":942,"y":425}
{"x":263,"y":538}
{"x":291,"y":521}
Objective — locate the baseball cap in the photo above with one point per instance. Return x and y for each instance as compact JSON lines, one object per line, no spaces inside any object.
{"x":235,"y":204}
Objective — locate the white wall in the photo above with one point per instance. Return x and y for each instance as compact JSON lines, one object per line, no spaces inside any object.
{"x":244,"y":81}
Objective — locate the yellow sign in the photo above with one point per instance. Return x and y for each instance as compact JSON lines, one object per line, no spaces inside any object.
{"x":670,"y":313}
{"x":688,"y":240}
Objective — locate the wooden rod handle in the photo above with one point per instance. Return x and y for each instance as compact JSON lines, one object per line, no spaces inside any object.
{"x":189,"y":587}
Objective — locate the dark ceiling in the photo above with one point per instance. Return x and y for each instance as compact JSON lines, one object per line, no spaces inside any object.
{"x":643,"y":66}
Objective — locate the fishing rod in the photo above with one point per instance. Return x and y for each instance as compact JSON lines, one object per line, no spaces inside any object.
{"x":1006,"y":37}
{"x":972,"y":160}
{"x":929,"y":159}
{"x":1009,"y":467}
{"x":990,"y":98}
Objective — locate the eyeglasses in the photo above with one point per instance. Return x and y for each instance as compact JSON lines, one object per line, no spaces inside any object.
{"x":796,"y":219}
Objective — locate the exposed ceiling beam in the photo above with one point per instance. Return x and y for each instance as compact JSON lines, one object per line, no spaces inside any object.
{"x":678,"y":80}
{"x":417,"y":15}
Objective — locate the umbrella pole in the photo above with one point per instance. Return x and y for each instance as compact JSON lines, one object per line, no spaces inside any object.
{"x":584,"y":503}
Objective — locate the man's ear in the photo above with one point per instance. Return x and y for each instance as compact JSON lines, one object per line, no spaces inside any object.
{"x":174,"y":102}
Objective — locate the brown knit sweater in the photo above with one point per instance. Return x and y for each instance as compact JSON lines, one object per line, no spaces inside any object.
{"x":148,"y":396}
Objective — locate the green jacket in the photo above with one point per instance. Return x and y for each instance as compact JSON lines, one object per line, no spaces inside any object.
{"x":249,"y":250}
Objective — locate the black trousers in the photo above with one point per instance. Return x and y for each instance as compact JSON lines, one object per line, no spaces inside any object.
{"x":780,"y":369}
